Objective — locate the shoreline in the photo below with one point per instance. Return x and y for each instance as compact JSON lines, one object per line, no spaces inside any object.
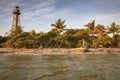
{"x":59,"y":51}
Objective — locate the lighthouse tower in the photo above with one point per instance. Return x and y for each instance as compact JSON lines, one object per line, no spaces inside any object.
{"x":16,"y":20}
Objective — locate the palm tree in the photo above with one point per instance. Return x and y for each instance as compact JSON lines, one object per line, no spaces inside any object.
{"x":100,"y":31}
{"x":91,"y":27}
{"x":113,"y":29}
{"x":59,"y":25}
{"x":15,"y":31}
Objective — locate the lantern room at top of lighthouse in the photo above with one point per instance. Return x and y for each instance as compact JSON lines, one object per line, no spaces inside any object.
{"x":16,"y":10}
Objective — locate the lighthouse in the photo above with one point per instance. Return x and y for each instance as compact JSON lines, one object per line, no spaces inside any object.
{"x":16,"y":19}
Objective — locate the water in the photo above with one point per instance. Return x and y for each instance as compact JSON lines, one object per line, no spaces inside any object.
{"x":60,"y":67}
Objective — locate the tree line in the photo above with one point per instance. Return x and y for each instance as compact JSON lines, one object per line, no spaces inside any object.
{"x":92,"y":35}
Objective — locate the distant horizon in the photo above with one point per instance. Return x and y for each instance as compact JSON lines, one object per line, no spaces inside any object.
{"x":39,"y":15}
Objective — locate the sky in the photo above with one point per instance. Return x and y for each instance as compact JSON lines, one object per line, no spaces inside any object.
{"x":40,"y":14}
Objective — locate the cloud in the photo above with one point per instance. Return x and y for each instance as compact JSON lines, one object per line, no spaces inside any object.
{"x":106,"y":19}
{"x":45,"y":3}
{"x":39,"y":14}
{"x":40,"y":8}
{"x":7,"y":5}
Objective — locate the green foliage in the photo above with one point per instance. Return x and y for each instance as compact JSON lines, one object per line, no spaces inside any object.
{"x":2,"y":40}
{"x":22,"y":40}
{"x":59,"y":25}
{"x":91,"y":41}
{"x":116,"y":40}
{"x":118,"y":45}
{"x":106,"y":41}
{"x":113,"y":28}
{"x":100,"y":30}
{"x":15,"y":31}
{"x":73,"y":36}
{"x":59,"y":37}
{"x":91,"y":26}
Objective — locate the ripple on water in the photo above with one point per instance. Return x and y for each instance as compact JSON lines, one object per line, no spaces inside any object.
{"x":60,"y":67}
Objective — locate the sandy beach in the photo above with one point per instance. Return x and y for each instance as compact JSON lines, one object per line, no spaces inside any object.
{"x":49,"y":51}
